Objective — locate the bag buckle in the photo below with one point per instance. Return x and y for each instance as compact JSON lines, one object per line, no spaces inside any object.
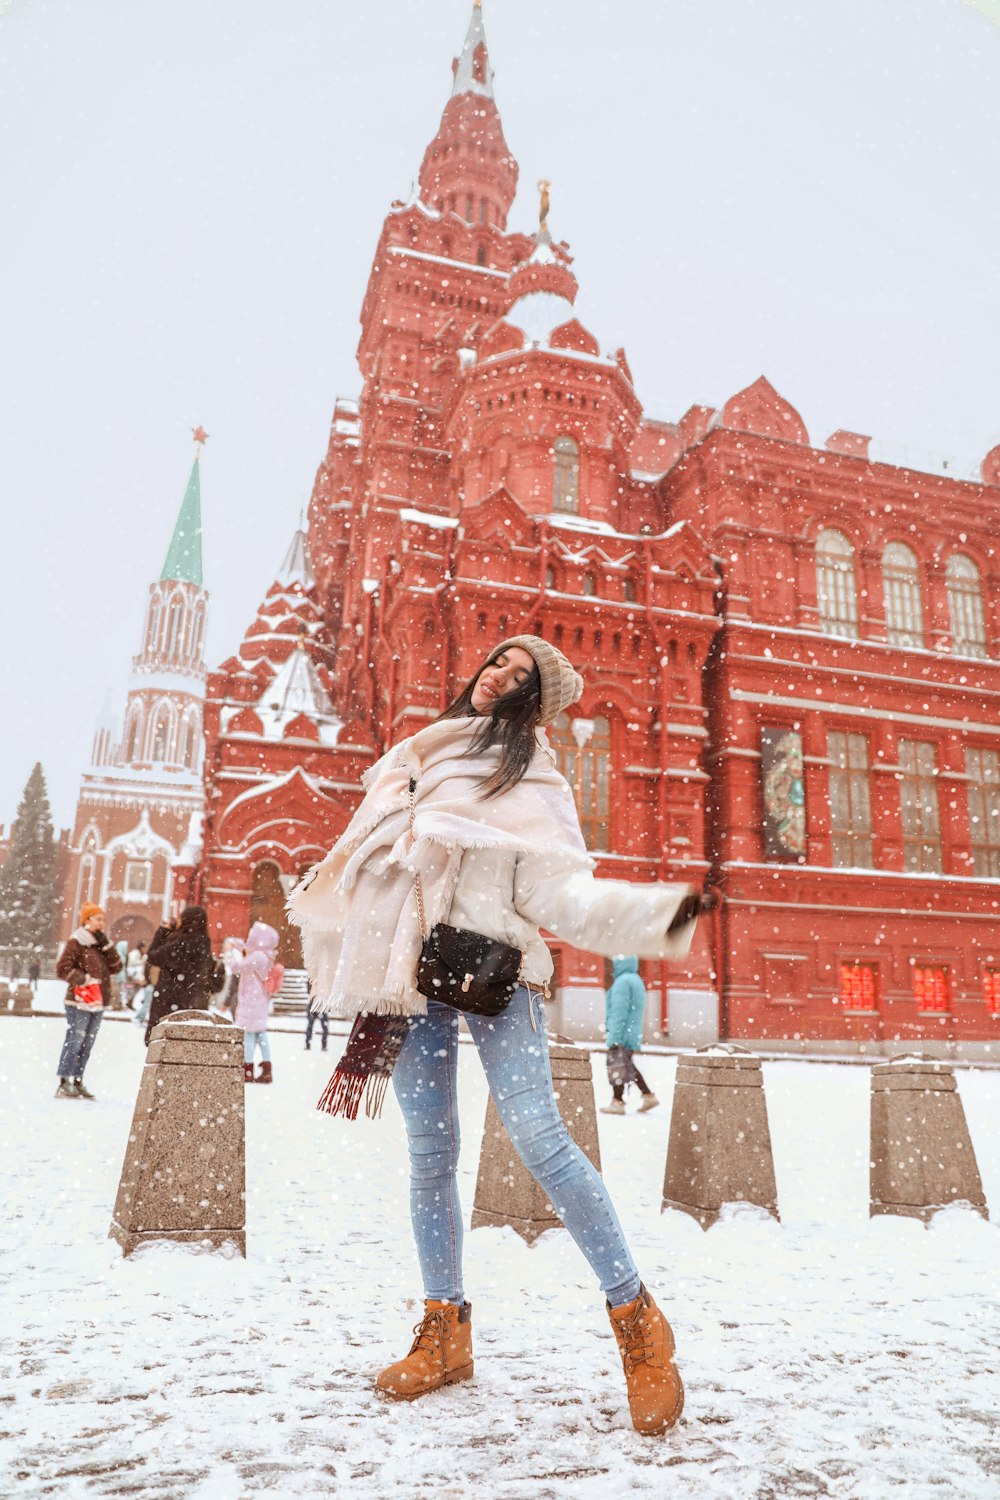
{"x":466,"y":983}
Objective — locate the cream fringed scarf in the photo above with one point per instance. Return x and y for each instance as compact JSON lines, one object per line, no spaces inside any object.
{"x":357,"y":909}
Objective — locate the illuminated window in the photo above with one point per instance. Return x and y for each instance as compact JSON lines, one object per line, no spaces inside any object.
{"x":991,"y":990}
{"x":983,"y":787}
{"x":582,"y":749}
{"x":836,"y":595}
{"x":965,"y":606}
{"x":566,"y":475}
{"x":859,"y":986}
{"x":919,"y":805}
{"x":904,"y":617}
{"x":850,"y":801}
{"x":932,"y":989}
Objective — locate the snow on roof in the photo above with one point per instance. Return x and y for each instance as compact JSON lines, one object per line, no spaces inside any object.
{"x":581,"y":523}
{"x":296,"y":689}
{"x":445,"y":260}
{"x":427,"y":518}
{"x":466,"y":81}
{"x":297,"y":565}
{"x":538,"y":314}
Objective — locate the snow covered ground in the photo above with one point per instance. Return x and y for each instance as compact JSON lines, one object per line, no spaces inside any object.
{"x":829,"y":1355}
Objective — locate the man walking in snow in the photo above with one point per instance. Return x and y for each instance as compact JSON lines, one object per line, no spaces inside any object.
{"x":86,"y":963}
{"x":625,"y":1010}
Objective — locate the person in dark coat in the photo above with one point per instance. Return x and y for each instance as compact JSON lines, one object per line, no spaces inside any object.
{"x":182,"y":951}
{"x":34,"y":973}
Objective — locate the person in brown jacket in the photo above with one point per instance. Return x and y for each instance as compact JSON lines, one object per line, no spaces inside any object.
{"x":87,"y":963}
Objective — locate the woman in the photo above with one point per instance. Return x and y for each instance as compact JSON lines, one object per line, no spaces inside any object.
{"x":624,"y":1013}
{"x":497,"y":847}
{"x":182,"y":952}
{"x":255,"y":964}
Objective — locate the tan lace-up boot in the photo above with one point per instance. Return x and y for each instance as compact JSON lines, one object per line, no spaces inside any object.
{"x":646,"y":1344}
{"x":441,"y":1353}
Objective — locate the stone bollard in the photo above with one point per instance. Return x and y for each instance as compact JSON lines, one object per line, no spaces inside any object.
{"x":4,"y":996}
{"x":23,"y":998}
{"x":921,"y":1152}
{"x":720,"y":1145}
{"x":184,"y":1173}
{"x":506,"y":1192}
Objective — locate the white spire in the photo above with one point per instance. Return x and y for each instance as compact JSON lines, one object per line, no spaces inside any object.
{"x":466,"y":81}
{"x":297,"y":566}
{"x":296,"y":689}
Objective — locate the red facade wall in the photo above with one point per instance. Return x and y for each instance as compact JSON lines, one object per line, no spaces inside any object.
{"x":681,"y":577}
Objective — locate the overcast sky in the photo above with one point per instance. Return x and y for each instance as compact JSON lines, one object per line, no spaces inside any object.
{"x":192,"y":193}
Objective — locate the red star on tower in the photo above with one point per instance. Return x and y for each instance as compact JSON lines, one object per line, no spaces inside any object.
{"x":199,"y":434}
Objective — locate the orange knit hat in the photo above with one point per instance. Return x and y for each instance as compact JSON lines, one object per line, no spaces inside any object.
{"x":90,"y":909}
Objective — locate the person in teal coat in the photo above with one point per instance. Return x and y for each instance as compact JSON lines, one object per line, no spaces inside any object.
{"x":625,"y":1010}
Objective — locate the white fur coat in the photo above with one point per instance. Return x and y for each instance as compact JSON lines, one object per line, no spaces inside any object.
{"x":503,"y":866}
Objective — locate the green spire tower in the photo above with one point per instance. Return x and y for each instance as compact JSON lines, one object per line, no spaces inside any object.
{"x":183,"y":560}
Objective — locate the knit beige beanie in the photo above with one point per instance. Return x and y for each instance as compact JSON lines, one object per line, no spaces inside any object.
{"x":561,"y":683}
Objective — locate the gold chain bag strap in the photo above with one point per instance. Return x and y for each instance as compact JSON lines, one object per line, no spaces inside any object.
{"x":462,"y":969}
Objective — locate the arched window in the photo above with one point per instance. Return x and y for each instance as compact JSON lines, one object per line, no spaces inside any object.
{"x":566,"y":475}
{"x":904,"y":617}
{"x":85,"y":884}
{"x":965,"y":606}
{"x":153,"y":623}
{"x":161,"y":733}
{"x":550,"y":577}
{"x":187,"y":748}
{"x":582,"y":749}
{"x":589,"y":584}
{"x":267,"y":904}
{"x":836,"y":597}
{"x":133,"y":735}
{"x":175,"y":619}
{"x":198,"y":637}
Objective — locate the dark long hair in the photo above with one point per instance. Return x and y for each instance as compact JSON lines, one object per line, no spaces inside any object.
{"x":510,"y":722}
{"x":194,"y":921}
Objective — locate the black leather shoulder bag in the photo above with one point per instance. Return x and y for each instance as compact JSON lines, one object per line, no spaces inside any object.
{"x":460,"y":968}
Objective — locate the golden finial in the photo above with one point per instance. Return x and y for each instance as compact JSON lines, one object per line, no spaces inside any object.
{"x":543,"y":207}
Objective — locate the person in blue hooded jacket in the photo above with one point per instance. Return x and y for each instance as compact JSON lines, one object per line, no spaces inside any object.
{"x":625,"y":1010}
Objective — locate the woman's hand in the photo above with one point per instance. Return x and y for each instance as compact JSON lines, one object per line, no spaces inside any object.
{"x":692,"y":907}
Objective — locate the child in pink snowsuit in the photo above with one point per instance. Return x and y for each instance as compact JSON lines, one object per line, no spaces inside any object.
{"x":258,"y":971}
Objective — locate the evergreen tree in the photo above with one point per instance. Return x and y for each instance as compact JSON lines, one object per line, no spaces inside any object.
{"x":29,"y":901}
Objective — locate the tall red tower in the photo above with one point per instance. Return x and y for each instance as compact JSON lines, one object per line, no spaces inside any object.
{"x":142,"y":795}
{"x":491,"y":478}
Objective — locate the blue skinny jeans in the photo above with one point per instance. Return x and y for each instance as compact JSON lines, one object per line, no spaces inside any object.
{"x":82,"y":1026}
{"x":251,"y":1041}
{"x":515,"y":1059}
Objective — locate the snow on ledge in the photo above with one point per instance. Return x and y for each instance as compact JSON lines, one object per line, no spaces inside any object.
{"x":428,"y":518}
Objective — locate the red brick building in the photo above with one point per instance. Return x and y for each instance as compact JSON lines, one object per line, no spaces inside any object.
{"x":790,"y":652}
